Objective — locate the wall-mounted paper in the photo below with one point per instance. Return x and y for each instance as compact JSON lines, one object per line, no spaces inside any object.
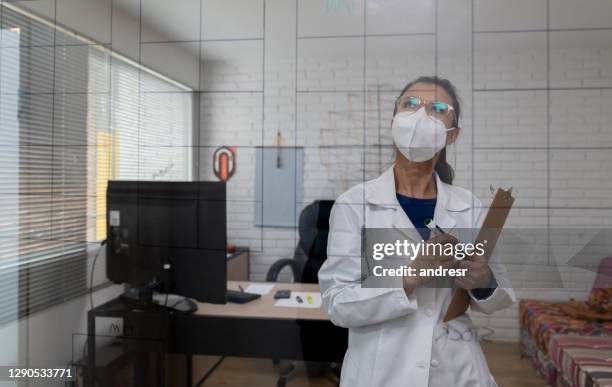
{"x":278,"y":185}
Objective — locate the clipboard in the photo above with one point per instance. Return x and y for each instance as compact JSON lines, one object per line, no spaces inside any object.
{"x":490,"y":231}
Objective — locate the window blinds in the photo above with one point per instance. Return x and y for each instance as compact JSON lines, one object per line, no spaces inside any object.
{"x":73,"y":115}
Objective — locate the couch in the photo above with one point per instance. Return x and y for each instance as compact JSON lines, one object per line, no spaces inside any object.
{"x":546,"y":323}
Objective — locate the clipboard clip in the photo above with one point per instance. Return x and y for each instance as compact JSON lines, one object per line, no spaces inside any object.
{"x":493,"y":190}
{"x":501,"y":197}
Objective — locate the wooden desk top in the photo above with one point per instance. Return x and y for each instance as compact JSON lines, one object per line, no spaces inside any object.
{"x":263,"y":307}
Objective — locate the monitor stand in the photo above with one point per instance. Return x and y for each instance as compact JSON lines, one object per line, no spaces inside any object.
{"x":140,"y":298}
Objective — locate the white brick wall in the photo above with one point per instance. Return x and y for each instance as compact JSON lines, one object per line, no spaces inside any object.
{"x":509,"y":60}
{"x":337,"y":101}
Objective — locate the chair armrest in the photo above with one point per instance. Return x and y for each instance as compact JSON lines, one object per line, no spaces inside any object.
{"x":277,"y":266}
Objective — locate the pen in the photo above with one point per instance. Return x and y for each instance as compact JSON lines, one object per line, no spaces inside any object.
{"x":431,"y":225}
{"x":241,"y":288}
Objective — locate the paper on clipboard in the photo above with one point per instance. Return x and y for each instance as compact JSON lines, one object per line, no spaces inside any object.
{"x":490,"y":231}
{"x":261,"y":289}
{"x":310,"y":300}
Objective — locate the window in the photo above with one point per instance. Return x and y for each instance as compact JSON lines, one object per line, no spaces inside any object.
{"x":73,"y":115}
{"x":148,"y":138}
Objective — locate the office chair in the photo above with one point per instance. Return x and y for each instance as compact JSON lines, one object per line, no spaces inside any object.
{"x":311,"y":250}
{"x":309,"y":255}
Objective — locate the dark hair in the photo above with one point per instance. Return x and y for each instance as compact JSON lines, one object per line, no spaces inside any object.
{"x":444,"y":170}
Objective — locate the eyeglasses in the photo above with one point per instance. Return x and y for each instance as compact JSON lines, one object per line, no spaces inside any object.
{"x":435,"y":109}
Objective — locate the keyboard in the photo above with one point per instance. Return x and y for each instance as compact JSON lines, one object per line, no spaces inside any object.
{"x":238,"y":297}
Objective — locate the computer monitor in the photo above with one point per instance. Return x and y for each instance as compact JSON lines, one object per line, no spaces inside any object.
{"x":170,"y":236}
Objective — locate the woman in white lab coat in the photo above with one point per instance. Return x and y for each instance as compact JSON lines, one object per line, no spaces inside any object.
{"x":396,"y":335}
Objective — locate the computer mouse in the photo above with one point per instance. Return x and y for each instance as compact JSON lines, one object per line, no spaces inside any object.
{"x":186,"y":305}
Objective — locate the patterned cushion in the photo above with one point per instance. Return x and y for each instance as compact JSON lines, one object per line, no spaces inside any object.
{"x":600,"y":300}
{"x":544,"y":318}
{"x":582,"y":360}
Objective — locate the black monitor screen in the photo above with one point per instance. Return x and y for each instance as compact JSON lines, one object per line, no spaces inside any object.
{"x":170,"y":233}
{"x":167,"y":222}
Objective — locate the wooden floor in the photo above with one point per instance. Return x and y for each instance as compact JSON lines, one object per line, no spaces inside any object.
{"x":508,"y":368}
{"x":504,"y":361}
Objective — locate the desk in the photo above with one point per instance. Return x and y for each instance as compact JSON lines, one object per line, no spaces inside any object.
{"x":259,"y":329}
{"x":264,"y":307}
{"x":256,"y":329}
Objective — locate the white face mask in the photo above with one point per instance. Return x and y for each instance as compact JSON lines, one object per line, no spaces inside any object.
{"x":417,"y":135}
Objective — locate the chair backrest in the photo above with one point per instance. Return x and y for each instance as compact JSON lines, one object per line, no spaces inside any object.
{"x":311,"y":251}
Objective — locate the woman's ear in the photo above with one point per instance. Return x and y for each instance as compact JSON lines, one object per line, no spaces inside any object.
{"x":451,"y":136}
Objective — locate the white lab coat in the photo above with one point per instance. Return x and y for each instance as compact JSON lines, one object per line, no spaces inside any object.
{"x":394,"y":339}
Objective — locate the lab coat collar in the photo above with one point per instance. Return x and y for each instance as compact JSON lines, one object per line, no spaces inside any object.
{"x":381,"y":192}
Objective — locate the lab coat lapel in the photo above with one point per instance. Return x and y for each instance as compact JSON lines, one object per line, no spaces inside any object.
{"x":381,"y":192}
{"x":444,"y":217}
{"x":446,"y":206}
{"x":402,"y":224}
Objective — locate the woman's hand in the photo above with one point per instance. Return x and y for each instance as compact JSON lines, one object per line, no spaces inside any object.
{"x":478,"y":274}
{"x":430,"y":262}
